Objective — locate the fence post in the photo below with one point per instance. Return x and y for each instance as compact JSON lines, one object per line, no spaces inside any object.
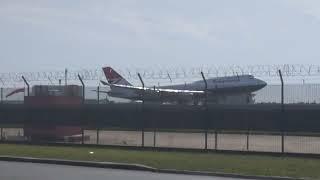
{"x":154,"y":137}
{"x":282,"y":112}
{"x":28,"y":86}
{"x":154,"y":132}
{"x":216,"y":139}
{"x":1,"y":94}
{"x":97,"y":136}
{"x":83,"y":89}
{"x":219,"y":112}
{"x":98,"y":94}
{"x":82,"y":135}
{"x":248,"y":131}
{"x":65,"y":77}
{"x":247,"y":140}
{"x":1,"y":133}
{"x":2,"y":90}
{"x":206,"y":111}
{"x":142,"y":110}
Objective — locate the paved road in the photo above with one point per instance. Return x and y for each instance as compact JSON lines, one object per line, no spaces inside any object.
{"x":32,"y":171}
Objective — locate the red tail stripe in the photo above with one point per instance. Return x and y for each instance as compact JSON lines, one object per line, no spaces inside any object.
{"x":110,"y":73}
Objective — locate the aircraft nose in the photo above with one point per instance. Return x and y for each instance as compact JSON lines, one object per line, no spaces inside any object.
{"x":261,"y":83}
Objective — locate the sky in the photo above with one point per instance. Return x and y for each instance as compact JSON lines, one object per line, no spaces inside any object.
{"x":41,"y":35}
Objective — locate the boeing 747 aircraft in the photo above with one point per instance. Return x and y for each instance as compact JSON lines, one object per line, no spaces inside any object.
{"x":221,"y":90}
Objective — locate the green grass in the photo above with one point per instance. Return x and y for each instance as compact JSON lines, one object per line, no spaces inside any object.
{"x":242,"y":164}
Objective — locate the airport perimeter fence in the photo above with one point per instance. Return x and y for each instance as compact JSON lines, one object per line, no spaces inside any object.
{"x":271,"y":94}
{"x":256,"y":128}
{"x":268,"y":129}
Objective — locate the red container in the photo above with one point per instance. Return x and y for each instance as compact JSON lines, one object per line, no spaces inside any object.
{"x":58,"y":96}
{"x":53,"y":100}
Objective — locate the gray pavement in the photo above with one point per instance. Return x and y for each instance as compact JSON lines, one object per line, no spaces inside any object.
{"x":34,"y":171}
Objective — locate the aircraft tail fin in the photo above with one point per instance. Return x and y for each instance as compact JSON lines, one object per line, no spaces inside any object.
{"x":114,"y":78}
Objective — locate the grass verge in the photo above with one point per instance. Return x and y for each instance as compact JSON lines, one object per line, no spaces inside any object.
{"x":226,"y":163}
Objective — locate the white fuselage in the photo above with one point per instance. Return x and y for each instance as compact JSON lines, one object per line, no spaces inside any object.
{"x":219,"y":89}
{"x":244,"y":83}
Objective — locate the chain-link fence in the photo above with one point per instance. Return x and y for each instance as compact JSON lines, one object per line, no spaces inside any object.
{"x":264,"y":126}
{"x":293,"y":94}
{"x":252,"y":128}
{"x":254,"y":141}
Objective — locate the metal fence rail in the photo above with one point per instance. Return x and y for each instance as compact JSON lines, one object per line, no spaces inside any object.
{"x":262,"y":127}
{"x":284,"y":119}
{"x":297,"y":143}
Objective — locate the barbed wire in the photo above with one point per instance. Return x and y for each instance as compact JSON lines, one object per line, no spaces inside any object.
{"x":172,"y":73}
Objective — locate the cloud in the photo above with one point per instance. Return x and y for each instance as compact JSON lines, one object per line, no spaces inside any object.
{"x":95,"y":17}
{"x":143,"y":31}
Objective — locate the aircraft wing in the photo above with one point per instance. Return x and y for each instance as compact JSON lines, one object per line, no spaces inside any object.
{"x":148,"y":90}
{"x":179,"y":91}
{"x":100,"y":91}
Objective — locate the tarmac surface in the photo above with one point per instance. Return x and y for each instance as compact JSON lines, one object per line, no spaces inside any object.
{"x":35,"y":171}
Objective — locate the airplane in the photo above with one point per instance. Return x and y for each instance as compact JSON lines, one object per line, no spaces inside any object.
{"x":231,"y":90}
